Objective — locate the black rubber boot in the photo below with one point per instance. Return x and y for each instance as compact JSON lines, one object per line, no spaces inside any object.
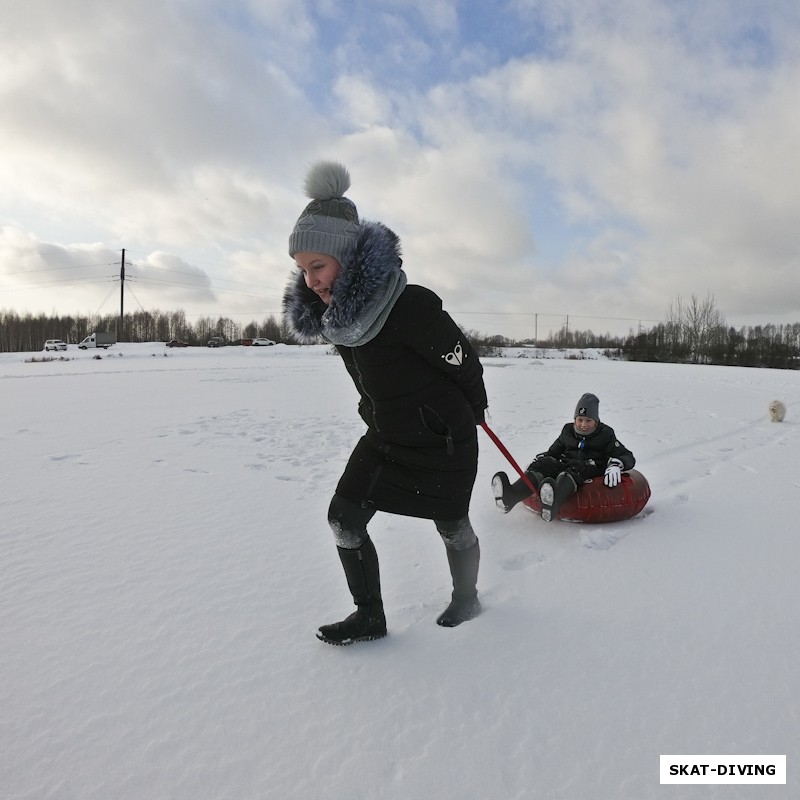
{"x":464,"y":604}
{"x":554,"y":493}
{"x":507,"y":495}
{"x":368,"y":621}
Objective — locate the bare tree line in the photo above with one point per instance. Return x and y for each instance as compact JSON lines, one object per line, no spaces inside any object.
{"x":28,"y":333}
{"x":695,"y":332}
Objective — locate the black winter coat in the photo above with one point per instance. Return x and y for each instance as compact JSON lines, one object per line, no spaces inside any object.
{"x":598,"y":446}
{"x":421,"y":394}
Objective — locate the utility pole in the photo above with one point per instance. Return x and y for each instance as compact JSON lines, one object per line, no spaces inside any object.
{"x":536,"y":330}
{"x":121,"y":293}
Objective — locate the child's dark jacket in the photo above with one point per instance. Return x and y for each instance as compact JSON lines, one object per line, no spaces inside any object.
{"x":598,"y":446}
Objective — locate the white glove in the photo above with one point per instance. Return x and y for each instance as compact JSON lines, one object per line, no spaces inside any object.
{"x":613,"y":472}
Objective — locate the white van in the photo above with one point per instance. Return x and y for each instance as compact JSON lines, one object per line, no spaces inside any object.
{"x":54,"y":344}
{"x":98,"y":339}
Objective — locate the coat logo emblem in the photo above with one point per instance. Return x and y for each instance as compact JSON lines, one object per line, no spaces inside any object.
{"x":456,"y":357}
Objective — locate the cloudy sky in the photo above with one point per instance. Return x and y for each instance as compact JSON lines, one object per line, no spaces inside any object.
{"x":541,"y":160}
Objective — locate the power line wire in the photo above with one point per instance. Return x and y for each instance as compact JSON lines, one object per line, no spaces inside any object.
{"x":51,"y":284}
{"x":54,"y":269}
{"x":153,"y":281}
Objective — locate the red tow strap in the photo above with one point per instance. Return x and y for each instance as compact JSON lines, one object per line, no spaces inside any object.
{"x":502,"y":448}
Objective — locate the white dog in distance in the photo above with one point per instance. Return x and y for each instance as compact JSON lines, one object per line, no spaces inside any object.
{"x":777,"y":411}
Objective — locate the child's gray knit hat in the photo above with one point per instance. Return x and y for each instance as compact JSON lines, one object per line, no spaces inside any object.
{"x":588,"y":406}
{"x":329,"y":223}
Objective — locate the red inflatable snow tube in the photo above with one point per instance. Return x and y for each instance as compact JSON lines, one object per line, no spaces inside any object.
{"x":596,"y":502}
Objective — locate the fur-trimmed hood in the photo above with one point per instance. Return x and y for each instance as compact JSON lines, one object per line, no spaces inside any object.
{"x":362,"y":297}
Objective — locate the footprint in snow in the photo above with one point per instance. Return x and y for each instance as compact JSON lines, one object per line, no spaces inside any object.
{"x":601,"y":540}
{"x":522,"y":561}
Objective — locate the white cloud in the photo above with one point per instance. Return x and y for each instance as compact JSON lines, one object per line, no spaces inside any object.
{"x":621,"y":154}
{"x":362,"y":104}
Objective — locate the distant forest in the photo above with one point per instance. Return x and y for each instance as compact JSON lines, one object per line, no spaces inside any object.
{"x":29,"y":333}
{"x":694,"y":333}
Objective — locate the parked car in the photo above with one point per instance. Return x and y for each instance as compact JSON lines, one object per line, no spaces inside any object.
{"x":245,"y":342}
{"x":262,"y":342}
{"x":176,"y":343}
{"x":54,"y":344}
{"x":216,"y":341}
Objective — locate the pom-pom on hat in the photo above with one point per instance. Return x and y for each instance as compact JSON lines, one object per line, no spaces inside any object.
{"x":329,"y":223}
{"x":588,"y":406}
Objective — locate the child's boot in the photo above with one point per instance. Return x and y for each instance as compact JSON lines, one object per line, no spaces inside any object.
{"x":507,"y":495}
{"x":547,"y":495}
{"x":554,"y":493}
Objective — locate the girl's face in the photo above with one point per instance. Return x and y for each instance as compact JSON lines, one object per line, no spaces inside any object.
{"x":320,"y":272}
{"x":585,"y":425}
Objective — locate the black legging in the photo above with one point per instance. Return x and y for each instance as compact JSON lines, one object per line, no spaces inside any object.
{"x":349,"y":522}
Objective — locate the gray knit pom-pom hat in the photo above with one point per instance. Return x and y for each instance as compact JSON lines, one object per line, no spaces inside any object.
{"x":329,"y":223}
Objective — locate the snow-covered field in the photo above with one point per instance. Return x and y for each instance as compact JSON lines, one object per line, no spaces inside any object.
{"x":165,"y":560}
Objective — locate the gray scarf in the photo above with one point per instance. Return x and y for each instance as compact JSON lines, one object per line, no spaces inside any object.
{"x":371,"y":320}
